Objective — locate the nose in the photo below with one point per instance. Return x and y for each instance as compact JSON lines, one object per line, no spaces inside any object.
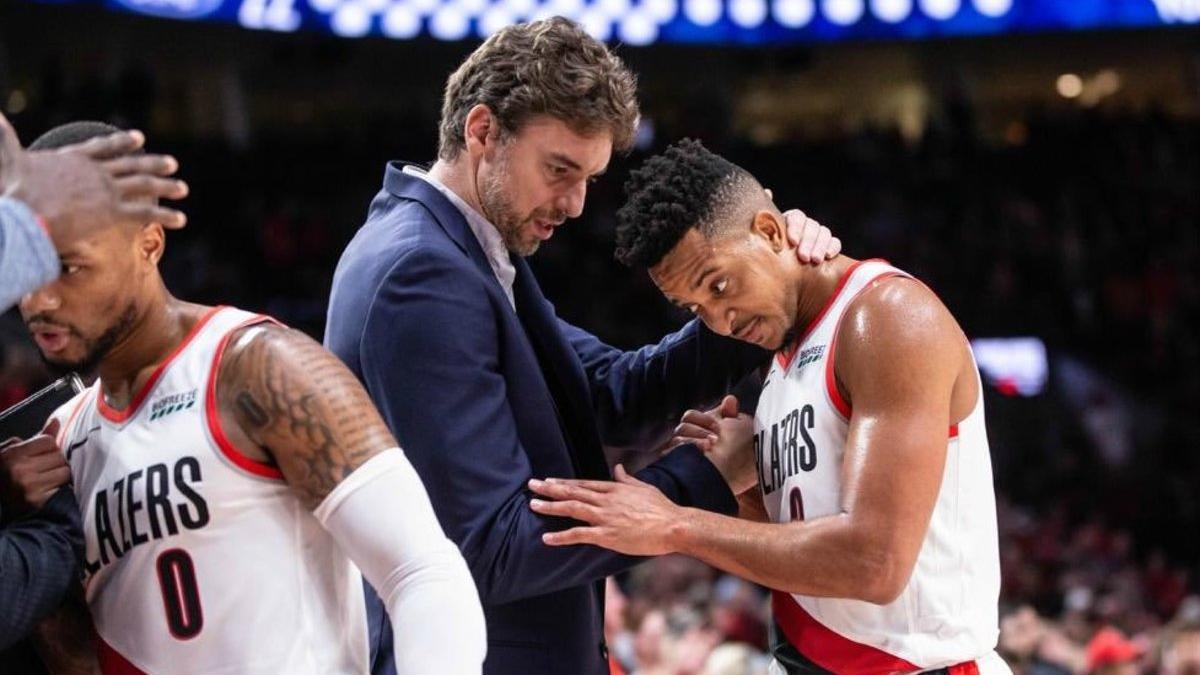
{"x":571,"y":201}
{"x":44,"y":299}
{"x":718,"y":322}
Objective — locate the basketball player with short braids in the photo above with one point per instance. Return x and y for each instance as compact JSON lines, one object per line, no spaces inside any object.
{"x":233,"y":478}
{"x":867,"y":454}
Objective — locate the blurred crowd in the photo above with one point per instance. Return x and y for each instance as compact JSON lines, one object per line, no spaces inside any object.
{"x":1078,"y":226}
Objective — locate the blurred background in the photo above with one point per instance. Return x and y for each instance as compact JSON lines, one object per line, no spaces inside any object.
{"x":1037,"y":162}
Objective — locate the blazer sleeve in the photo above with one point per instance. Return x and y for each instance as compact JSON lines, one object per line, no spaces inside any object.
{"x":430,"y":360}
{"x":38,"y":563}
{"x":639,"y":395}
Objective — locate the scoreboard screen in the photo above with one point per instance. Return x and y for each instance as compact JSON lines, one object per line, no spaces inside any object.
{"x":643,"y":22}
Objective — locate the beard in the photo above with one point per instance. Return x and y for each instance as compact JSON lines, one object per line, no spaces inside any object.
{"x":95,"y":349}
{"x":499,"y":210}
{"x":495,"y":198}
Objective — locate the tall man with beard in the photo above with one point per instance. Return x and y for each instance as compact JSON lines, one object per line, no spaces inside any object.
{"x":435,"y":309}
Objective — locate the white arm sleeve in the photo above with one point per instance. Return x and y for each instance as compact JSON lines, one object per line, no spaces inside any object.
{"x":381,"y":517}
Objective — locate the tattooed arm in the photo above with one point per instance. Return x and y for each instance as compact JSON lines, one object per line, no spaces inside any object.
{"x":283,"y":398}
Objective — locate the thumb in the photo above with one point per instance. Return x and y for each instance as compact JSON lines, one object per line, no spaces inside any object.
{"x":623,"y":476}
{"x":10,"y":145}
{"x":52,"y":427}
{"x":729,"y":406}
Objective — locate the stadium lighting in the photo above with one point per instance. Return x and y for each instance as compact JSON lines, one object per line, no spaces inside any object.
{"x":993,"y":8}
{"x":702,"y":12}
{"x":615,"y":9}
{"x":572,"y":9}
{"x":793,"y":13}
{"x":638,"y":29}
{"x":662,"y":10}
{"x":891,"y":11}
{"x":493,"y":20}
{"x":351,"y":20}
{"x":449,"y":23}
{"x":843,"y":12}
{"x":940,"y":9}
{"x":597,"y":25}
{"x":1069,"y":85}
{"x":748,"y":13}
{"x":401,"y":22}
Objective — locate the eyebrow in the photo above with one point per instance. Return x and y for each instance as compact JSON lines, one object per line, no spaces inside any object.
{"x":563,"y":159}
{"x":700,"y":279}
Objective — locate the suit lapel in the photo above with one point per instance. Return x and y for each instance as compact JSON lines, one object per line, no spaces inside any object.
{"x":563,"y":372}
{"x":444,"y":212}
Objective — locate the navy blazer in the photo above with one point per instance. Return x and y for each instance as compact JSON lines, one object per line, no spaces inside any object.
{"x":482,"y":398}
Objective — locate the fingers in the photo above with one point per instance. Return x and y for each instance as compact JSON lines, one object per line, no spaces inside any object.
{"x":560,"y":490}
{"x":147,"y":186}
{"x":770,"y":195}
{"x":575,"y":535}
{"x":10,"y":145}
{"x":703,"y":420}
{"x":568,"y":509}
{"x":144,"y":214}
{"x":795,"y":219}
{"x":623,"y":476}
{"x":835,"y":247}
{"x":728,"y":407}
{"x":110,"y":146}
{"x":152,"y":165}
{"x":691,"y":433}
{"x":51,"y":428}
{"x":704,"y":445}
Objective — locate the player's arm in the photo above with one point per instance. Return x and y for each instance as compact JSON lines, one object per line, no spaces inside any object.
{"x":281,"y":392}
{"x":899,"y":353}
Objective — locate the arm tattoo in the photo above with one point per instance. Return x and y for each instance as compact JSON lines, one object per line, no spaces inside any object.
{"x":302,"y":405}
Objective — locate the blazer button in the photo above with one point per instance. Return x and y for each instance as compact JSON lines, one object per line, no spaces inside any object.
{"x":603,"y":651}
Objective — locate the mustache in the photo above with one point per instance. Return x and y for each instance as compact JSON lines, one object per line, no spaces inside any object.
{"x":45,"y":320}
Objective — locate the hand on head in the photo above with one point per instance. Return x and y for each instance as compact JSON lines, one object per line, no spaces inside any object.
{"x":81,"y":188}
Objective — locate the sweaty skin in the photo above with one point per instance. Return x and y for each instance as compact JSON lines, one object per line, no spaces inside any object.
{"x":904,"y":364}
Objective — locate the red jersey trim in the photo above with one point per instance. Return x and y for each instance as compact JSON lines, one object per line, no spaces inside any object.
{"x":227,"y":448}
{"x":968,"y":668}
{"x":120,"y":416}
{"x":835,"y":396}
{"x":828,"y":649}
{"x":831,"y":389}
{"x":112,"y":662}
{"x":785,"y":356}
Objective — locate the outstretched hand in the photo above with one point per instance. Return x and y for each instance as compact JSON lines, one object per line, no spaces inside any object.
{"x":625,"y":515}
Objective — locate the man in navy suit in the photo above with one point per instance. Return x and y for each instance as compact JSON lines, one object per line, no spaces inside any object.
{"x":434,"y":308}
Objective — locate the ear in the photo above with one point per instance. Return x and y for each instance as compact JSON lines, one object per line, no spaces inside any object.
{"x":151,"y":242}
{"x":768,"y":226}
{"x":481,"y":129}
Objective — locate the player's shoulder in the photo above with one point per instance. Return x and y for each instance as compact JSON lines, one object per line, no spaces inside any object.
{"x":899,"y":310}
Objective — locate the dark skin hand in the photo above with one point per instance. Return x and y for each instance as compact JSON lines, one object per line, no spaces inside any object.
{"x":69,"y":186}
{"x":31,"y":471}
{"x":905,"y":366}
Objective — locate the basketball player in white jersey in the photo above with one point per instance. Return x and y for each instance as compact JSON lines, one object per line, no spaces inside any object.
{"x":867,"y":455}
{"x":233,"y":479}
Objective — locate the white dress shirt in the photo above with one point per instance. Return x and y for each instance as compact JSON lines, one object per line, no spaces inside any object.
{"x":487,"y":234}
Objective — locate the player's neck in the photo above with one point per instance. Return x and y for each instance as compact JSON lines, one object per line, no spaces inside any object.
{"x":457,"y":175}
{"x":150,"y":340}
{"x":816,"y":285}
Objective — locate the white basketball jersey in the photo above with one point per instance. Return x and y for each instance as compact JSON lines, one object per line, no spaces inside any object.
{"x":200,"y":559}
{"x":947,"y":614}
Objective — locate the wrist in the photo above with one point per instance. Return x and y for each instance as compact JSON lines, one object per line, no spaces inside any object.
{"x":681,"y":534}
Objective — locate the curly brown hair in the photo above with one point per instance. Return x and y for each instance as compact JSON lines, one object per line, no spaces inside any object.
{"x":551,"y":67}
